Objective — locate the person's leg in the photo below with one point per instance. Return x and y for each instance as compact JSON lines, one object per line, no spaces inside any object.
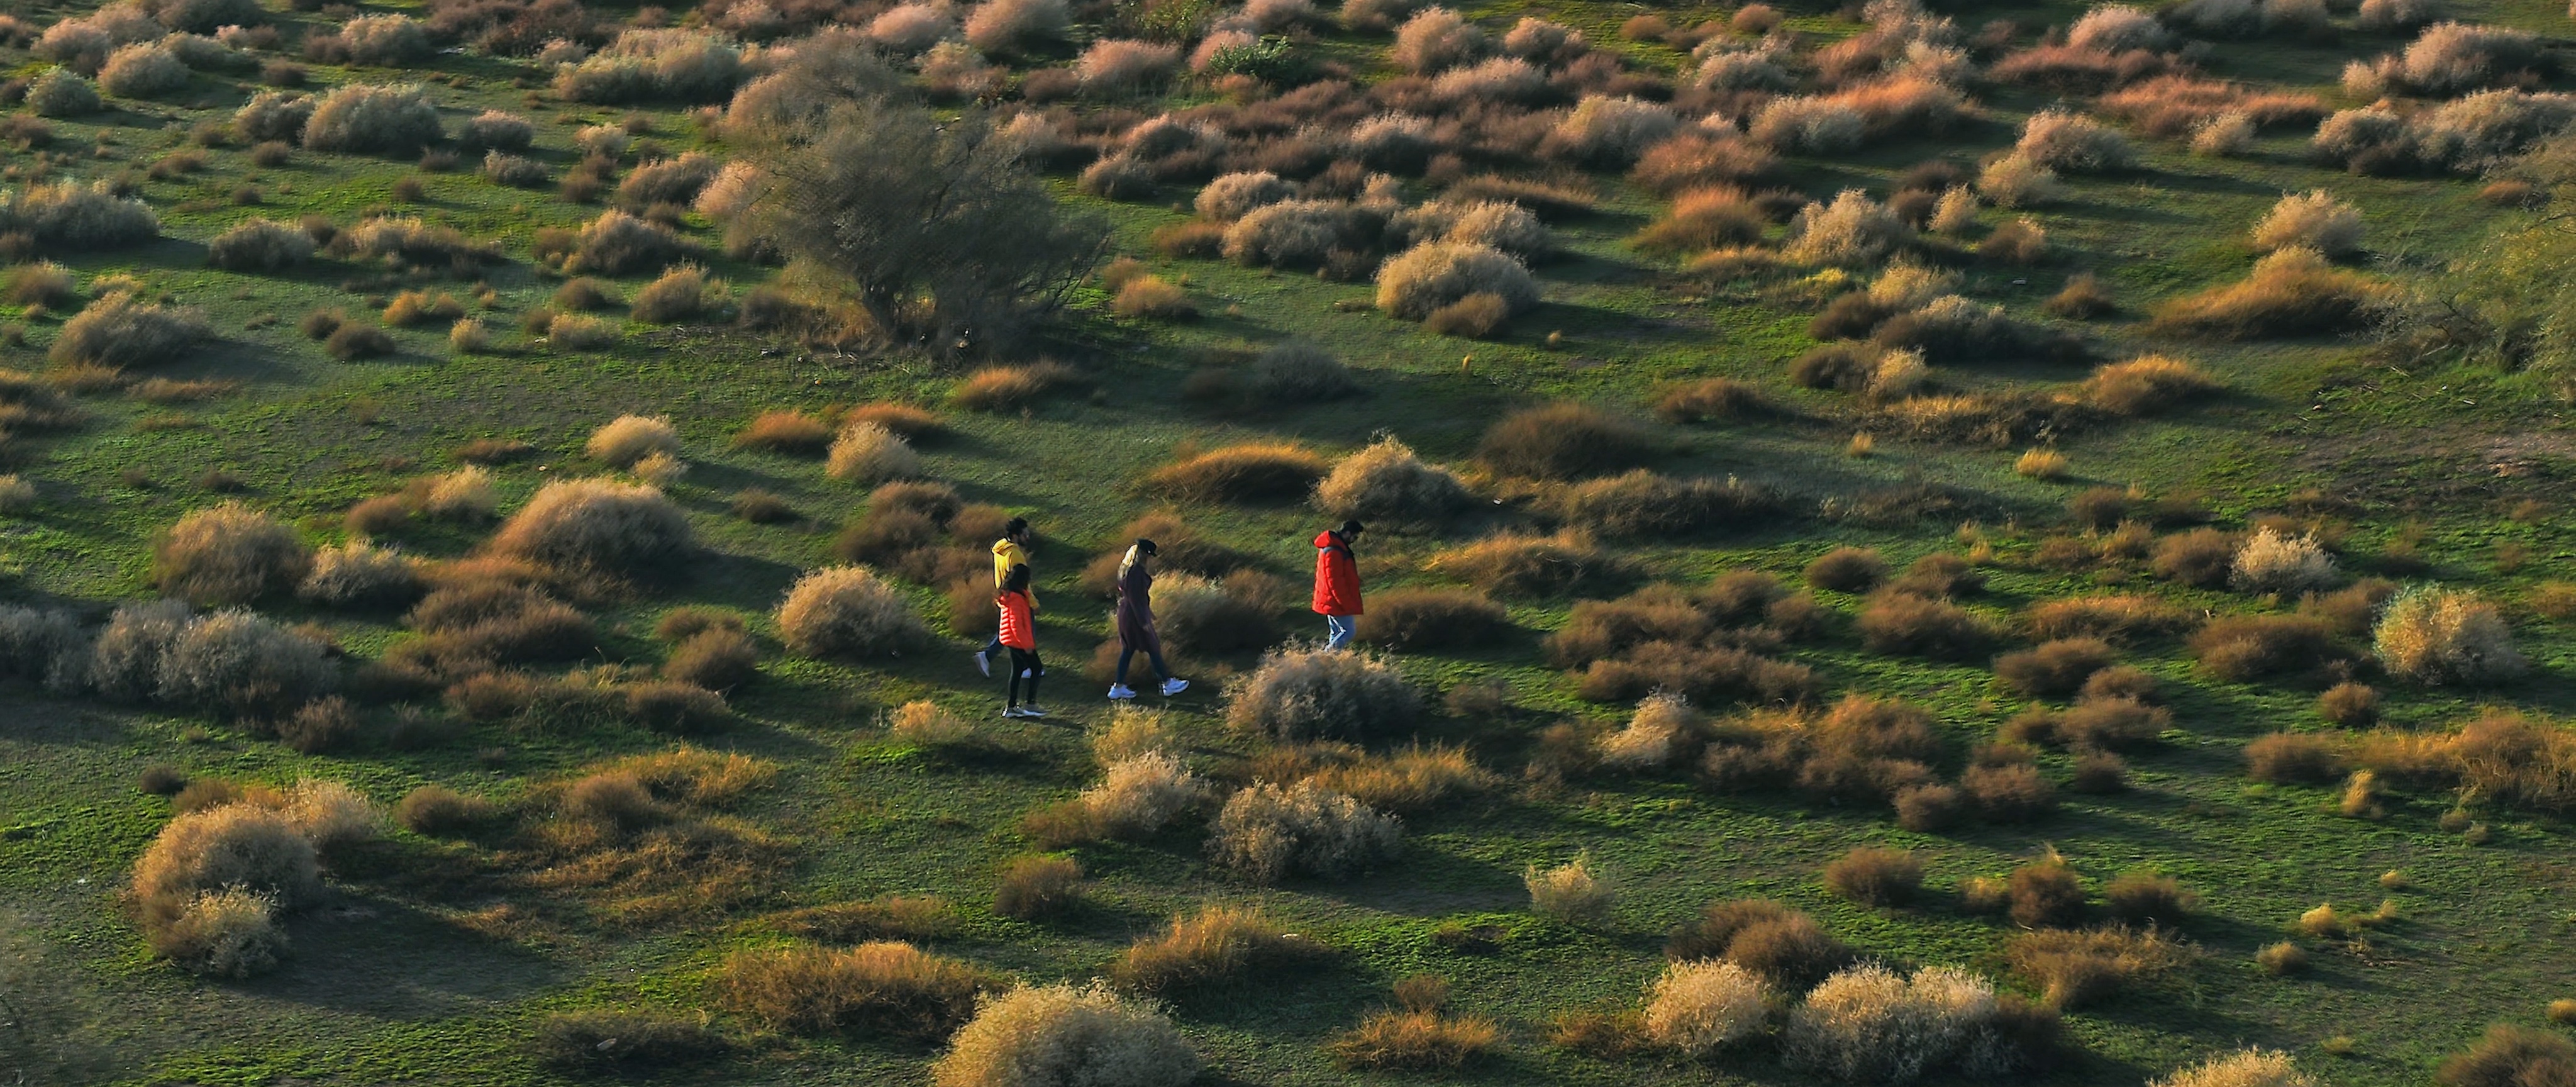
{"x":1011,"y":687}
{"x":1127,"y":653}
{"x":1155,"y":655}
{"x":1343,"y":628}
{"x":1036,"y":669}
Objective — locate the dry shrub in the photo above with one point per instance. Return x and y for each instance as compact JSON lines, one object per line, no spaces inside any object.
{"x":889,"y":987}
{"x":1663,"y":729}
{"x":2073,"y":968}
{"x":359,"y":118}
{"x":2510,"y":1056}
{"x":1693,"y":160}
{"x":2054,"y":669}
{"x":2144,"y":896}
{"x":1710,"y":399}
{"x":597,"y":527}
{"x":608,"y":1042}
{"x":618,"y":244}
{"x":1136,"y":798}
{"x":791,"y":432}
{"x":1702,"y":219}
{"x":1846,"y":570}
{"x":2061,"y":140}
{"x":1433,"y":275}
{"x":1420,"y":619}
{"x":2349,"y":704}
{"x":885,"y":917}
{"x":1256,"y":472}
{"x":1642,"y":503}
{"x":1387,"y":483}
{"x":847,"y":611}
{"x":2313,"y":220}
{"x":1418,"y":1041}
{"x":867,"y":453}
{"x":1218,"y":945}
{"x":2010,"y":793}
{"x":61,"y":93}
{"x":1698,"y":1008}
{"x":1869,"y":1024}
{"x":1267,"y":833}
{"x":2292,"y":292}
{"x":440,"y":812}
{"x":1879,"y":877}
{"x":244,"y":850}
{"x":2431,"y":635}
{"x":2289,"y":758}
{"x":2045,"y":893}
{"x":259,"y":245}
{"x":1061,"y":1036}
{"x":2202,"y":557}
{"x":680,"y":294}
{"x":2274,"y":562}
{"x":2249,"y":1068}
{"x":1037,"y":886}
{"x":1522,"y":565}
{"x":1564,"y":441}
{"x":629,"y":438}
{"x":1007,"y":388}
{"x":1570,"y":893}
{"x":230,"y":554}
{"x":2147,"y":385}
{"x":1903,"y":623}
{"x":1150,"y":296}
{"x":2241,"y":648}
{"x":717,"y":659}
{"x":119,"y":332}
{"x":1852,"y":232}
{"x":229,"y":933}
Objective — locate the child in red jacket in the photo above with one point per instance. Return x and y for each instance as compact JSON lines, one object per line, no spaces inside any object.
{"x":1337,"y":585}
{"x":1020,"y":635}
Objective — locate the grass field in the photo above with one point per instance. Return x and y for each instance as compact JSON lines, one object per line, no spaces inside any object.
{"x":459,"y":954}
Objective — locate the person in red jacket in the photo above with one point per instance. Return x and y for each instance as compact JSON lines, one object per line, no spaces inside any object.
{"x":1020,"y":635}
{"x":1337,"y":584}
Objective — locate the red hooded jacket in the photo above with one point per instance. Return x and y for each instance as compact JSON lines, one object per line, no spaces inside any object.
{"x":1337,"y":577}
{"x":1019,"y":628}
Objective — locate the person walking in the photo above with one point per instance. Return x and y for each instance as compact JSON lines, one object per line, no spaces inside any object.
{"x":1337,"y":584}
{"x":1009,"y":551}
{"x":1135,"y":621}
{"x":1019,"y":633}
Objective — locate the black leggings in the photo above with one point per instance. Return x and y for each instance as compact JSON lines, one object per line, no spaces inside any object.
{"x":1024,"y":660}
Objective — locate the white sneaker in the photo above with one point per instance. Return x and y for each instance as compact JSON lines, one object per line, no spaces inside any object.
{"x":1032,"y":710}
{"x":983,"y":663}
{"x":1175,"y":686}
{"x":1121,"y":690}
{"x":1013,"y":711}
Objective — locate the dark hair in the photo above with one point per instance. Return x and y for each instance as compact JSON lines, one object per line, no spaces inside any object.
{"x":1146,"y":547}
{"x":1015,"y":526}
{"x":1017,"y":581}
{"x":1352,"y":527}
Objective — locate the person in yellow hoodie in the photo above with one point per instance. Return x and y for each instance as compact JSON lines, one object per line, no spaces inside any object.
{"x":1009,"y":551}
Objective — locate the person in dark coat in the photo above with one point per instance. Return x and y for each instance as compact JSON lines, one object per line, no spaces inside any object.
{"x":1135,"y":621}
{"x":1337,"y":584}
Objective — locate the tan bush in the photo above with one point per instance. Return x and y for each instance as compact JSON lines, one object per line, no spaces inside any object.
{"x":925,"y":725}
{"x":438,"y":811}
{"x":363,"y":118}
{"x":230,"y":554}
{"x":360,"y":574}
{"x":2146,"y":385}
{"x":2292,"y":292}
{"x":681,"y":294}
{"x":1570,"y":893}
{"x":2072,"y":969}
{"x":597,"y":526}
{"x":1004,"y":388}
{"x":389,"y":41}
{"x":2431,"y":635}
{"x":1061,"y":1036}
{"x":2315,"y":220}
{"x":1514,"y":564}
{"x":2144,"y":896}
{"x":1609,"y":132}
{"x":869,"y":454}
{"x":1218,"y":944}
{"x":1231,"y":196}
{"x":672,"y":181}
{"x":1903,"y":623}
{"x":1296,"y":372}
{"x":142,"y":70}
{"x":1810,"y":124}
{"x":1656,"y":735}
{"x":1853,"y":231}
{"x":118,"y":332}
{"x":629,"y":438}
{"x":890,"y":987}
{"x":793,"y":432}
{"x":1415,"y":1040}
{"x":259,"y":245}
{"x":1252,"y":472}
{"x":1875,"y":876}
{"x":227,"y":933}
{"x":1114,"y":66}
{"x":1437,"y":274}
{"x":2271,"y":562}
{"x":619,"y":244}
{"x":1139,"y":795}
{"x":1302,"y":694}
{"x":1869,"y":1024}
{"x":1563,"y":441}
{"x":2507,"y":1056}
{"x":2018,"y":181}
{"x":2072,"y":142}
{"x":1698,"y":1008}
{"x":1153,"y":297}
{"x":1434,"y":39}
{"x":2117,"y":28}
{"x":644,"y":64}
{"x":1387,"y":483}
{"x":1266,"y":833}
{"x":2248,"y":1068}
{"x":1036,"y":886}
{"x":62,"y":93}
{"x":847,"y":611}
{"x":1005,"y":25}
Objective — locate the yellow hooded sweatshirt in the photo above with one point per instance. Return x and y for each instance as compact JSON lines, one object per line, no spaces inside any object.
{"x":1007,"y":554}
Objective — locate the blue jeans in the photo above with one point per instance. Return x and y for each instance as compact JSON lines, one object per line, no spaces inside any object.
{"x":1128,"y":653}
{"x":1343,"y":628}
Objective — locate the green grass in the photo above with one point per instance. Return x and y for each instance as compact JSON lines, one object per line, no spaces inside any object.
{"x":402,"y":979}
